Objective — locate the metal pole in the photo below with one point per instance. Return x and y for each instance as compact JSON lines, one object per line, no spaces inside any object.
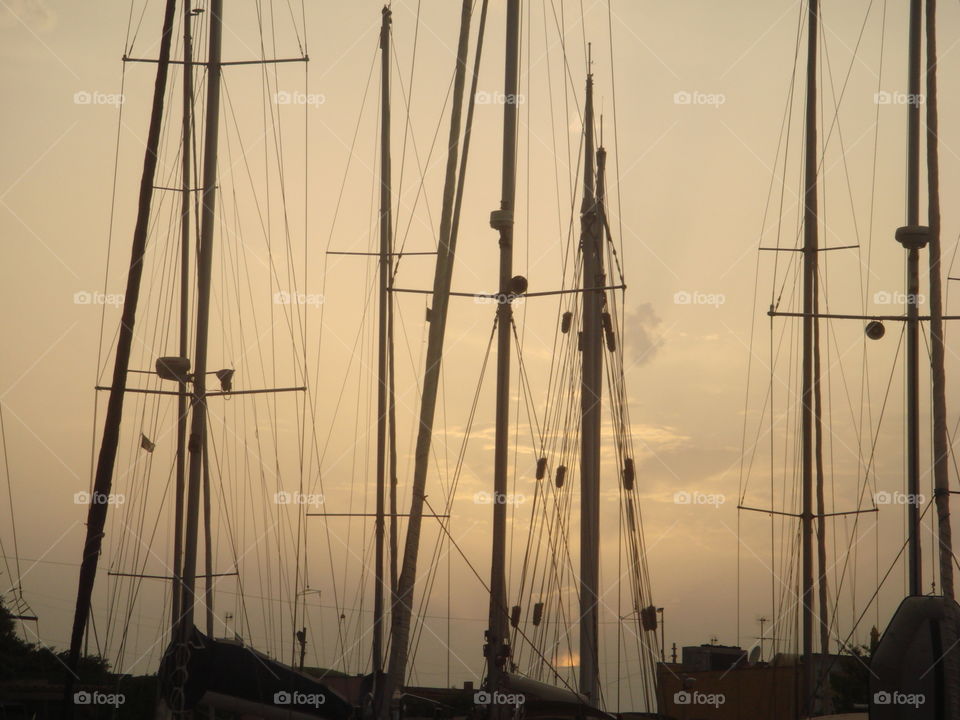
{"x":591,"y":396}
{"x":198,"y":401}
{"x":385,"y":234}
{"x":497,"y":648}
{"x":186,"y":201}
{"x":810,"y":250}
{"x":103,"y":478}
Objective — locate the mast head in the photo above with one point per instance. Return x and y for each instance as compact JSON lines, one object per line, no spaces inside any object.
{"x":385,"y":25}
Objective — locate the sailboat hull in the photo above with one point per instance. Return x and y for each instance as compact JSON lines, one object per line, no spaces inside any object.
{"x":915,"y":671}
{"x":231,"y":677}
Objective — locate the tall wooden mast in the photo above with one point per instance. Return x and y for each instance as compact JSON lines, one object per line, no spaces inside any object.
{"x":591,"y":397}
{"x":810,"y":252}
{"x":940,"y":441}
{"x":446,"y":249}
{"x":103,"y":478}
{"x":386,"y":231}
{"x":198,"y":401}
{"x":185,"y":221}
{"x":913,"y":238}
{"x":497,"y":647}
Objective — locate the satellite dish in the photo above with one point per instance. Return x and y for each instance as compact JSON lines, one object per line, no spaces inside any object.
{"x":754,"y":656}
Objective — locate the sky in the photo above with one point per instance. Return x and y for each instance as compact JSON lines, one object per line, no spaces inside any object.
{"x":702,"y":115}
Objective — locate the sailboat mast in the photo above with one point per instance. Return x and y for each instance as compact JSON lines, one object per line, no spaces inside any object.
{"x":198,"y":402}
{"x":446,"y":250}
{"x":591,"y":396}
{"x":497,"y":648}
{"x":106,"y":460}
{"x":941,"y":443}
{"x":810,"y":249}
{"x":185,"y":218}
{"x":382,"y":382}
{"x":913,"y":238}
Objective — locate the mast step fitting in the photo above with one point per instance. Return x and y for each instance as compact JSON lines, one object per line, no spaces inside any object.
{"x":913,"y":237}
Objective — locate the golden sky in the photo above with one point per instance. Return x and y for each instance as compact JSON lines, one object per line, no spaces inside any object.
{"x":697,"y":142}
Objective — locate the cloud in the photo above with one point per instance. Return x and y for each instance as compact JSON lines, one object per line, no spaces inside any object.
{"x":642,"y":337}
{"x":33,"y":13}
